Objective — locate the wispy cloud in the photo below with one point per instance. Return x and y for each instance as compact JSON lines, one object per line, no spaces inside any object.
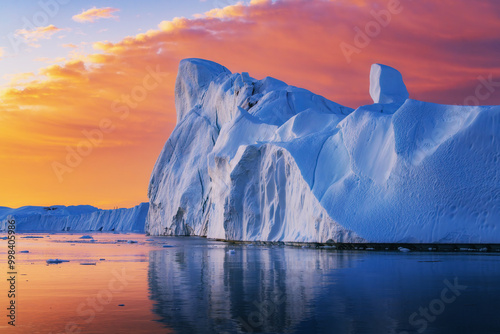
{"x":1,"y":53}
{"x":32,"y":36}
{"x":93,"y":14}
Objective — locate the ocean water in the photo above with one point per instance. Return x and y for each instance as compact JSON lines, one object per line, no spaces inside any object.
{"x":195,"y":285}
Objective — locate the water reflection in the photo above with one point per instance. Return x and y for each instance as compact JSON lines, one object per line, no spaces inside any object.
{"x":200,"y":286}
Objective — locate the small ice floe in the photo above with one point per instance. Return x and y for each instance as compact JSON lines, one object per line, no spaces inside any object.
{"x":31,"y":237}
{"x":231,"y":251}
{"x":24,"y":251}
{"x":484,"y":249}
{"x":3,"y":238}
{"x":167,"y":246}
{"x":56,"y":261}
{"x":403,"y":249}
{"x":150,"y":239}
{"x":121,"y":304}
{"x":102,"y":259}
{"x":370,"y":248}
{"x":86,"y":237}
{"x":88,"y":264}
{"x":131,"y":242}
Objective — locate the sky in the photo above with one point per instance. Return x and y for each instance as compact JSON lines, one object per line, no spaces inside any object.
{"x":87,"y":87}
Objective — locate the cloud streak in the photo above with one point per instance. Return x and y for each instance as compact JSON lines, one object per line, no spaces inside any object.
{"x":32,"y":36}
{"x":94,"y":14}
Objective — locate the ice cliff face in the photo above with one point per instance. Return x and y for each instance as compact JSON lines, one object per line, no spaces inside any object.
{"x":75,"y":218}
{"x":260,"y":160}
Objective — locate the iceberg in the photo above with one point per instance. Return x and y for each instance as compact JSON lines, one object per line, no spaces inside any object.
{"x":79,"y":218}
{"x":259,"y":160}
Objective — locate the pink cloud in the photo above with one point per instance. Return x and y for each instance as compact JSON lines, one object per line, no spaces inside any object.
{"x":93,"y":14}
{"x":38,"y":33}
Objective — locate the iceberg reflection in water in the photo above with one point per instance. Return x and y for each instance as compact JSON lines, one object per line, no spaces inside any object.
{"x":202,"y":286}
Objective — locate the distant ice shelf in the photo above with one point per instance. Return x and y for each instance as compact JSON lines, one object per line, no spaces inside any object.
{"x":261,"y":160}
{"x":75,"y":218}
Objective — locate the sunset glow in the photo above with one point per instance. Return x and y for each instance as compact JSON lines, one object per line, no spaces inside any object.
{"x":87,"y":126}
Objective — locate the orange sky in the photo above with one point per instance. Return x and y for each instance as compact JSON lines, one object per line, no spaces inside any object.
{"x":442,"y":48}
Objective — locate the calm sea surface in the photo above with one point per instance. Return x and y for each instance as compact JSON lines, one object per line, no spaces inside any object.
{"x":194,"y":285}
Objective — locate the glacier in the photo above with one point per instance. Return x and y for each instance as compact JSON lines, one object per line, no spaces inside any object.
{"x":78,"y":218}
{"x":259,"y":160}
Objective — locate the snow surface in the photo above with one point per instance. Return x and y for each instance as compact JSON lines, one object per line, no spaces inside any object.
{"x":75,"y":218}
{"x":260,"y":160}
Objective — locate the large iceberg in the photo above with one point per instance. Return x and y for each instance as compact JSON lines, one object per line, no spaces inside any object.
{"x":75,"y":218}
{"x":261,"y":160}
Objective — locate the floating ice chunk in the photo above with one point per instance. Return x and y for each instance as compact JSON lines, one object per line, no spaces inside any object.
{"x":231,"y":251}
{"x":24,"y":251}
{"x":167,"y":246}
{"x":131,"y":242}
{"x":88,"y":264}
{"x":56,"y":261}
{"x":403,"y":249}
{"x":86,"y":237}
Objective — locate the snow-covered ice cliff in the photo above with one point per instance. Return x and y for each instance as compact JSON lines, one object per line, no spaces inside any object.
{"x":260,"y":160}
{"x":75,"y":218}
